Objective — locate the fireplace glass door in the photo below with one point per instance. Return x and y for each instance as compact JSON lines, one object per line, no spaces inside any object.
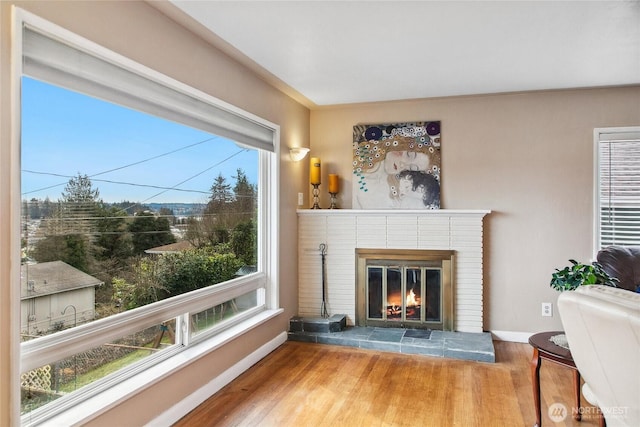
{"x":407,"y":295}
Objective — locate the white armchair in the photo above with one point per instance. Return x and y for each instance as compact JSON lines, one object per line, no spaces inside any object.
{"x":602,"y":325}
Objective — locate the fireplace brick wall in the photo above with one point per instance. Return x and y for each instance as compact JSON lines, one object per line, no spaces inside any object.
{"x":344,"y":230}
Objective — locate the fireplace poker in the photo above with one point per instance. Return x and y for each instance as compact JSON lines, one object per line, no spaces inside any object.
{"x":323,"y":306}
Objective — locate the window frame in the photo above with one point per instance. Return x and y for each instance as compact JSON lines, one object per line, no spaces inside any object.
{"x":597,"y":141}
{"x":47,"y":349}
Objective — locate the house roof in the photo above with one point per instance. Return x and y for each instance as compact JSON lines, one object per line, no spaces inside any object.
{"x":170,"y":248}
{"x":53,"y":277}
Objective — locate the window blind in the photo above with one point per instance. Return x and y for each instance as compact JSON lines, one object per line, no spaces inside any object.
{"x":51,"y":60}
{"x":619,"y":186}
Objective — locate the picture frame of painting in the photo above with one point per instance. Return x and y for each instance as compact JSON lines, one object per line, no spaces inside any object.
{"x":396,"y":165}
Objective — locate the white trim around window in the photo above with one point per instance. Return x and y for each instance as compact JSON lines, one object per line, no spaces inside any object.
{"x":616,"y":186}
{"x":261,"y":134}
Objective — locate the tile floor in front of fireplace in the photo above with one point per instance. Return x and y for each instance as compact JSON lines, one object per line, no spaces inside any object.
{"x":455,"y":345}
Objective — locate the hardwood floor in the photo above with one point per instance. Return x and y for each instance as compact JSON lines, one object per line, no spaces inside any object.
{"x":303,"y":384}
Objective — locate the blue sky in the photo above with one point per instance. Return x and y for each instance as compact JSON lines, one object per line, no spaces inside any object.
{"x":65,"y":133}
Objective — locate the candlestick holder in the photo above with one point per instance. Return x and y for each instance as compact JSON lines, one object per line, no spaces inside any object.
{"x":316,"y":196}
{"x":333,"y":205}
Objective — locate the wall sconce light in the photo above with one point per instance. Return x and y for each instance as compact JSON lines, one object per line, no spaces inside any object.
{"x":298,"y":153}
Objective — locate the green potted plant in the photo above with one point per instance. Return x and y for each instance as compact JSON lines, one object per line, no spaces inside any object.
{"x":579,"y":274}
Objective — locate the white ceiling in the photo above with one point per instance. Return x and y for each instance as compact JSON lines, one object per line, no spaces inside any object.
{"x":337,"y":52}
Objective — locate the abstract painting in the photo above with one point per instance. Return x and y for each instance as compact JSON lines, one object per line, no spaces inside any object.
{"x":396,"y":166}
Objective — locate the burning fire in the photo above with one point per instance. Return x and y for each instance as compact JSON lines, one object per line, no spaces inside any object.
{"x":394,"y":304}
{"x":411,"y":299}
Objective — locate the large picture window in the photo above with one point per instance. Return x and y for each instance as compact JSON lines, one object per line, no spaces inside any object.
{"x":617,"y":186}
{"x":147,"y":218}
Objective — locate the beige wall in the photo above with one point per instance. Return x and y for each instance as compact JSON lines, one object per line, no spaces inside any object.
{"x":140,"y":32}
{"x":527,"y":157}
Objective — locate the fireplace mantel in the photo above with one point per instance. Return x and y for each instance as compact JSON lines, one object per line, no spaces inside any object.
{"x":344,"y":230}
{"x":394,"y":212}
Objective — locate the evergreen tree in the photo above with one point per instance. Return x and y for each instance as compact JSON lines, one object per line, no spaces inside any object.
{"x":245,"y":197}
{"x":76,"y":252}
{"x":51,"y":248}
{"x":47,"y":208}
{"x":80,"y":202}
{"x":70,"y":248}
{"x":113,"y":241}
{"x":33,"y":209}
{"x":149,"y":232}
{"x":218,"y":218}
{"x":70,"y":229}
{"x":221,"y":195}
{"x":244,"y":242}
{"x":80,"y":190}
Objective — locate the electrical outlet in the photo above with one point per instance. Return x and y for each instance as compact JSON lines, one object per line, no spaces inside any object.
{"x":547,"y":309}
{"x":300,"y":199}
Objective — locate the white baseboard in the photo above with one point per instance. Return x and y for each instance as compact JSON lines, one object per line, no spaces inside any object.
{"x":512,"y":336}
{"x":186,"y":405}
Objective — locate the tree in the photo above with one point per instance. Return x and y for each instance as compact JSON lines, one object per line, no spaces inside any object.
{"x":194,"y":269}
{"x":33,"y":209}
{"x":167,"y":213}
{"x":71,"y":227}
{"x":218,"y":218}
{"x":196,"y":233}
{"x":76,"y":253}
{"x":80,"y":190}
{"x":50,"y":248}
{"x":70,"y":248}
{"x":78,"y":209}
{"x":244,"y":242}
{"x":47,"y":208}
{"x":80,"y":203}
{"x":113,"y":241}
{"x":220,"y":194}
{"x":149,"y":232}
{"x":155,"y":278}
{"x":244,"y":196}
{"x":141,"y":288}
{"x":225,"y":211}
{"x":130,"y":207}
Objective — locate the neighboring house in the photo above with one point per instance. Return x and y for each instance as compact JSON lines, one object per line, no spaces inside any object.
{"x":50,"y":288}
{"x":170,"y":248}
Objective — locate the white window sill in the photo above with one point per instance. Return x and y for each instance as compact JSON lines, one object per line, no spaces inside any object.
{"x":101,"y":402}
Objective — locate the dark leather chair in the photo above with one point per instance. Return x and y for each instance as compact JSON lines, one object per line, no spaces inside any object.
{"x":623,"y":263}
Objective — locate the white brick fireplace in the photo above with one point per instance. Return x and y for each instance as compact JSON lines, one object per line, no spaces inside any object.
{"x":344,"y":230}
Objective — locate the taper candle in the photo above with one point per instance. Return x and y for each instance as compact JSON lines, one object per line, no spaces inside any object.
{"x":334,"y":183}
{"x":314,"y":172}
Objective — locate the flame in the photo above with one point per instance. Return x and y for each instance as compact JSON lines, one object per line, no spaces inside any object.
{"x":411,"y":299}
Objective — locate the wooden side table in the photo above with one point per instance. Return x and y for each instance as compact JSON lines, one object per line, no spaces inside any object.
{"x":543,"y":348}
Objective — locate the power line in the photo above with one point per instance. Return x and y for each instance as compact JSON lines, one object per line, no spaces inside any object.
{"x":165,"y":189}
{"x":120,"y":167}
{"x":112,"y":182}
{"x":156,"y":157}
{"x":196,"y":175}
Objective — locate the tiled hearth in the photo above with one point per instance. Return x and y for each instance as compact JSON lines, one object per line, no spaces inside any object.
{"x":455,"y":345}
